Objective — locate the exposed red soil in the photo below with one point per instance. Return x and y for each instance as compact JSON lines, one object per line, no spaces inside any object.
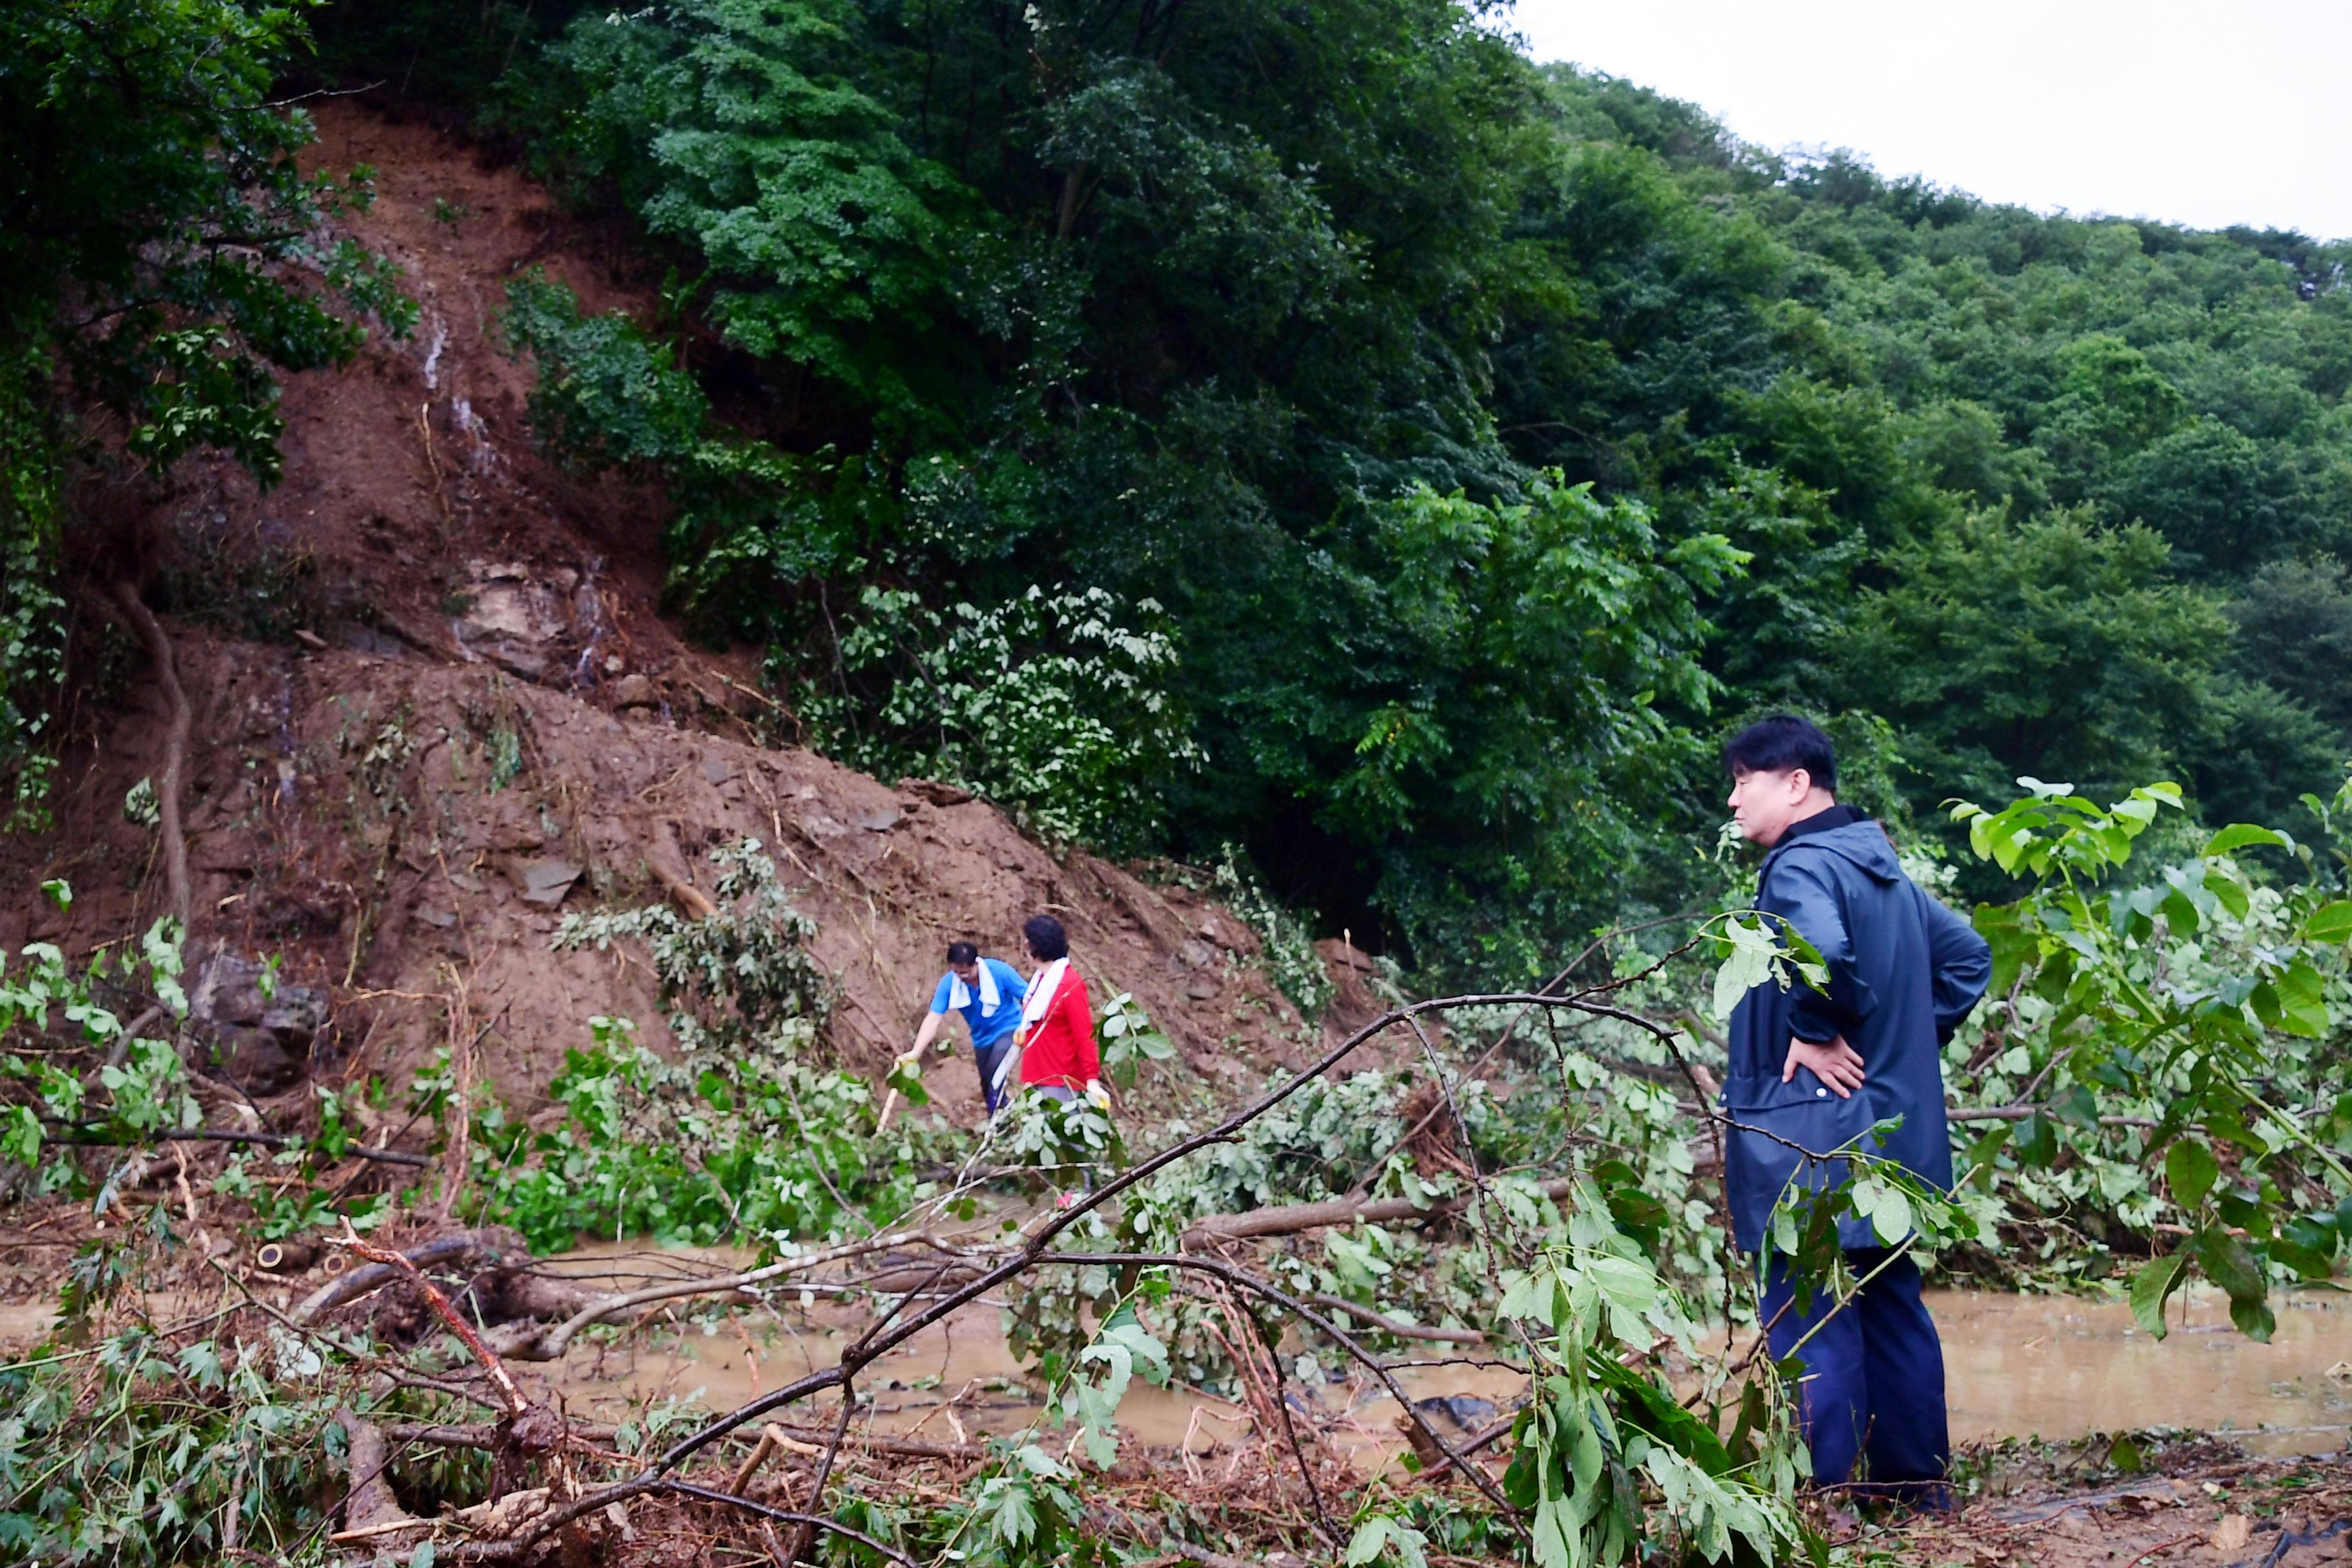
{"x":464,"y":681}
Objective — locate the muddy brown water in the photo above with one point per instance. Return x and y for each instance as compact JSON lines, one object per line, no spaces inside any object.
{"x":2046,"y":1366}
{"x":956,"y":1378}
{"x":2021,"y":1366}
{"x":2058,"y":1366}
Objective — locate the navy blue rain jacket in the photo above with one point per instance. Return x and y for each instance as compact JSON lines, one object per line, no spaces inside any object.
{"x":1904,"y":972}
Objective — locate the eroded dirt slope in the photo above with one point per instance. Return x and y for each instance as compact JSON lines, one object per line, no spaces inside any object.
{"x":435,"y":707}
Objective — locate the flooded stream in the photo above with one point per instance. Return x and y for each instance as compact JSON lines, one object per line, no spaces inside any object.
{"x":955,"y":1379}
{"x":2058,"y":1366}
{"x":2045,"y":1366}
{"x":2055,"y":1367}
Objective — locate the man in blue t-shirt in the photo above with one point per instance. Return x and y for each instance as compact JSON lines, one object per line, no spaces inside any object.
{"x":988,"y":993}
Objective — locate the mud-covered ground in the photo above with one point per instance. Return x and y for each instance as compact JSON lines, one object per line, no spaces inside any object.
{"x":2113,"y":1502}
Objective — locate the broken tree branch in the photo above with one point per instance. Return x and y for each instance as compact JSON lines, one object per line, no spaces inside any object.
{"x":1240,"y":1278}
{"x":229,"y":1135}
{"x":370,"y":1509}
{"x":1388,"y":1325}
{"x":1289,"y":1219}
{"x":801,"y":1441}
{"x":516,"y":1406}
{"x":542,"y":1343}
{"x":807,"y":1523}
{"x":772,"y":1439}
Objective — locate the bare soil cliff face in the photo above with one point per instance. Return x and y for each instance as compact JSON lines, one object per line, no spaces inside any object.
{"x":434,"y":706}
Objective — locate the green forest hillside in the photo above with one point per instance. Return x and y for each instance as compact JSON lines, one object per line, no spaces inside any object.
{"x":1315,"y":429}
{"x":1312,"y":472}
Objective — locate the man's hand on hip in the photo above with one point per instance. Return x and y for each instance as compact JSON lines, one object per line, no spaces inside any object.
{"x":1834,"y":1062}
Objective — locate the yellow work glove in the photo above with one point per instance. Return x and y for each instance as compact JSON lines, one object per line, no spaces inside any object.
{"x":1098,"y":1096}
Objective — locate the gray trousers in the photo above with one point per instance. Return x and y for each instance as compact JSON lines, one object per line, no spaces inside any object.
{"x":990,"y":1059}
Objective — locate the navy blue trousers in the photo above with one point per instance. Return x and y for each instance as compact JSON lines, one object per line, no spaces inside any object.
{"x":1872,"y":1398}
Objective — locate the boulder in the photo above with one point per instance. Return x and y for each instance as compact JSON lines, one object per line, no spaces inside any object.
{"x":258,"y":1036}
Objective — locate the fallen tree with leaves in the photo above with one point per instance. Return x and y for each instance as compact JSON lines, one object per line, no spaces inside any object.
{"x":1636,"y":1428}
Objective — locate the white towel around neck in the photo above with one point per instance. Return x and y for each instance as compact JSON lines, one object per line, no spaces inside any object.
{"x":1042,"y":985}
{"x":960,"y":995}
{"x":1041,"y":991}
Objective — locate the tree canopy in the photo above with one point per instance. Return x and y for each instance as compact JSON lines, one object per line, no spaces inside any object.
{"x":1468,"y":442}
{"x":161,"y":259}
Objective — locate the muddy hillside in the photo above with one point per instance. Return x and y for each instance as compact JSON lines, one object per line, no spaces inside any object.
{"x":422,"y":703}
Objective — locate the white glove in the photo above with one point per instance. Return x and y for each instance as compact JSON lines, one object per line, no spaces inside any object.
{"x":1098,"y":1096}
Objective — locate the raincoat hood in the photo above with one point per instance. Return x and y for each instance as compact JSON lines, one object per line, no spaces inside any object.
{"x":1862,"y":845}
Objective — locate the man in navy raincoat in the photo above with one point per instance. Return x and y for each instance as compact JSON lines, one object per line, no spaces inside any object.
{"x":1818,"y":1069}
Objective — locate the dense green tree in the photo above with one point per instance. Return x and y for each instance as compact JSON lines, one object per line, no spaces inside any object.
{"x":737,"y":128}
{"x":1082,"y":298}
{"x":1091,"y":302}
{"x":2294,"y":625}
{"x":2224,"y":499}
{"x":157,"y":259}
{"x":2269,"y":751}
{"x":2051,"y":647}
{"x":1498,"y":728}
{"x":2110,"y":403}
{"x":1462,"y":438}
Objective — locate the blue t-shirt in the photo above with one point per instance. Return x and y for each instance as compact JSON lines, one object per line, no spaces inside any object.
{"x":987,"y":1028}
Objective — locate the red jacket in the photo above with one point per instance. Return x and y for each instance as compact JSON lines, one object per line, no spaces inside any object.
{"x":1060,"y":1048}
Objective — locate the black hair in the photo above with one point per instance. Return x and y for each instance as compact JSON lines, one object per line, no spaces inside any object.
{"x":962,"y":952}
{"x":1047,"y":941}
{"x":1782,"y":743}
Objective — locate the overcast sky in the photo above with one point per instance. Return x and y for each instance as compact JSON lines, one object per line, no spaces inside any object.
{"x":2188,"y":111}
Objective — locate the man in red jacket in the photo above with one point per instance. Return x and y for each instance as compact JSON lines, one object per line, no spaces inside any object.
{"x":1056,"y":1036}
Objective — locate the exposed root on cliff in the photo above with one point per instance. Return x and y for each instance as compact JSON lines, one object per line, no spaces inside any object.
{"x":170,"y":783}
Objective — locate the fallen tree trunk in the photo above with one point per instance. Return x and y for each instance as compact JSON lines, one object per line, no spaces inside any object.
{"x":1289,"y":1219}
{"x":350,"y":1286}
{"x":485,"y":1436}
{"x":370,"y":1512}
{"x":903,"y":1278}
{"x":529,"y":1340}
{"x":882,"y":1443}
{"x":544,"y":1297}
